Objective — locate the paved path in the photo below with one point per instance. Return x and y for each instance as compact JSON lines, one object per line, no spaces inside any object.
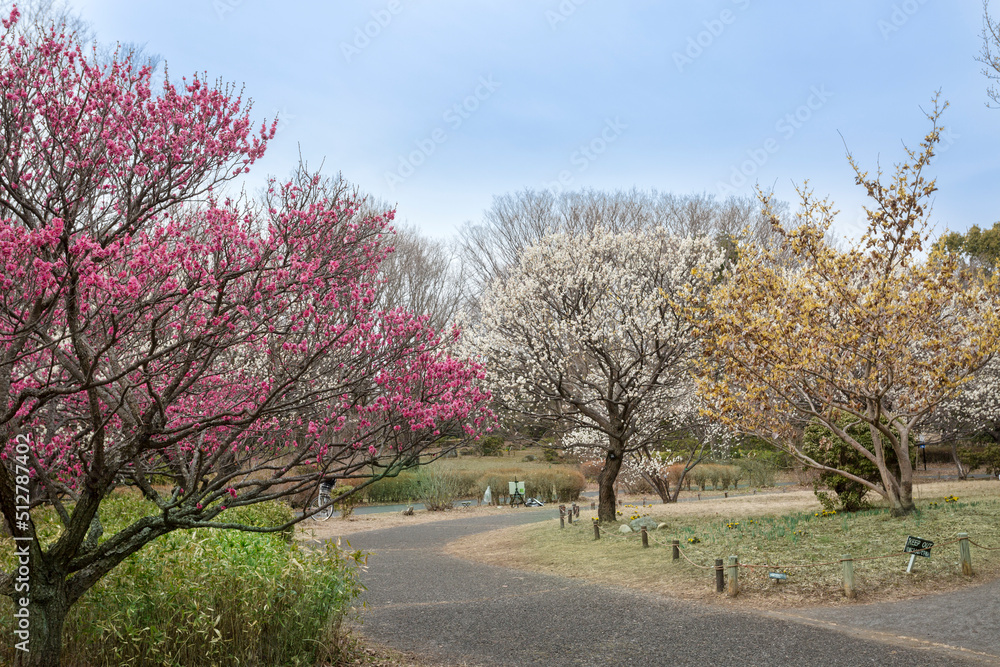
{"x":457,"y":612}
{"x":969,"y":618}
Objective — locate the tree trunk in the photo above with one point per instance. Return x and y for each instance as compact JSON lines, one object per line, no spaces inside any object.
{"x":661,"y":485}
{"x":680,"y":483}
{"x":899,"y":489}
{"x":906,"y":504}
{"x":898,"y":484}
{"x":963,"y":472}
{"x":607,"y":507}
{"x":46,"y":616}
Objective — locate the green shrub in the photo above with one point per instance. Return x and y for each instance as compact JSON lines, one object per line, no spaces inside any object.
{"x":981,"y":456}
{"x":551,"y":456}
{"x":823,"y":446}
{"x":262,"y":515}
{"x":491,"y":445}
{"x":438,"y":489}
{"x":991,"y":459}
{"x":402,"y":488}
{"x":212,"y":597}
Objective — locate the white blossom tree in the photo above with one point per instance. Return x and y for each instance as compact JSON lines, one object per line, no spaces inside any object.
{"x":579,"y":334}
{"x":974,"y":411}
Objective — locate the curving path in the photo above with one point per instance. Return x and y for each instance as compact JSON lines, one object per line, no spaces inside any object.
{"x":453,"y":611}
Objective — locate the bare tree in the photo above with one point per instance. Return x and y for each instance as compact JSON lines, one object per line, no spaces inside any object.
{"x":40,"y":15}
{"x":520,"y":219}
{"x":423,"y":276}
{"x":990,"y":55}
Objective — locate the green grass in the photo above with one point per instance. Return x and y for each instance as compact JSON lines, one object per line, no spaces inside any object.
{"x":778,"y":543}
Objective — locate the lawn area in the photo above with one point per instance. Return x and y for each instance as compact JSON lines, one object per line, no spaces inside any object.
{"x":775,"y":531}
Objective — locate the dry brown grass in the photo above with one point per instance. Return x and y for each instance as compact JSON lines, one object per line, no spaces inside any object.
{"x":337,"y":527}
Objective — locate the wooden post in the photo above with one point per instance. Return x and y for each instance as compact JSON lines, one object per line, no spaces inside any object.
{"x":725,"y":494}
{"x":569,"y":515}
{"x":562,"y":521}
{"x":965,"y":554}
{"x":733,"y":568}
{"x":720,"y":577}
{"x":593,"y":506}
{"x":848,"y":564}
{"x":597,"y":530}
{"x":645,"y":538}
{"x":675,"y":549}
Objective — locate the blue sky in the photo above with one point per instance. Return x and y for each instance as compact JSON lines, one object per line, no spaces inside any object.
{"x":439,"y":105}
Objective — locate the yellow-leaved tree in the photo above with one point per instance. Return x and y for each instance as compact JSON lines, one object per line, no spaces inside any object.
{"x":876,"y":335}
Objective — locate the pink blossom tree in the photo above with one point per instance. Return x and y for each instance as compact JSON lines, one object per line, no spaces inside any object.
{"x":151,"y":331}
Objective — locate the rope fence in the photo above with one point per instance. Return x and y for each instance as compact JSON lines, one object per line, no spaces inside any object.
{"x":984,"y":548}
{"x":847,"y":562}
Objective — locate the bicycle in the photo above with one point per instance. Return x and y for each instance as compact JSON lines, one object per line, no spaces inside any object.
{"x":322,"y":507}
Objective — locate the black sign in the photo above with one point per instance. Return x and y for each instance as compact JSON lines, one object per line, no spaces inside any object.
{"x":918,"y":546}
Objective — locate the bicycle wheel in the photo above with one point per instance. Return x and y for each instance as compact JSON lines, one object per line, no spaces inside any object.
{"x":326,"y":512}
